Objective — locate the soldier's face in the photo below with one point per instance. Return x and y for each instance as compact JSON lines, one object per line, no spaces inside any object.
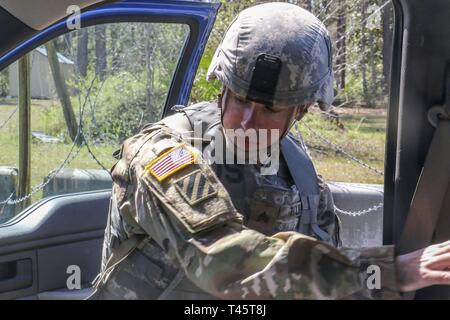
{"x":240,"y":113}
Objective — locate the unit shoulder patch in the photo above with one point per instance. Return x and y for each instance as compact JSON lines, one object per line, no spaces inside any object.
{"x":190,"y":191}
{"x":195,"y":187}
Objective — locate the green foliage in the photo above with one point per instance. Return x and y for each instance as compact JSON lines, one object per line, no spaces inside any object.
{"x":141,"y":59}
{"x":363,"y":136}
{"x":4,"y":83}
{"x":52,"y":122}
{"x":363,"y":34}
{"x":204,"y":90}
{"x":119,"y":108}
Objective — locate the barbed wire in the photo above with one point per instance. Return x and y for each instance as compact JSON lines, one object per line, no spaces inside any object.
{"x":5,"y":202}
{"x":329,"y":16}
{"x":325,"y":8}
{"x":350,"y":63}
{"x":359,"y":212}
{"x":52,"y":174}
{"x":69,"y":158}
{"x":94,"y":157}
{"x":342,"y":50}
{"x":80,"y":138}
{"x":47,"y":179}
{"x":356,"y":160}
{"x":346,"y":65}
{"x":9,"y":118}
{"x":341,"y":150}
{"x":353,"y":28}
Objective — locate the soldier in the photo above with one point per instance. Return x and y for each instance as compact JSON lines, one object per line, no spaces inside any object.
{"x":182,"y":228}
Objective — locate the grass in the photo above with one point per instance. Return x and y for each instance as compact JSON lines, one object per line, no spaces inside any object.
{"x":361,"y":133}
{"x":46,"y":116}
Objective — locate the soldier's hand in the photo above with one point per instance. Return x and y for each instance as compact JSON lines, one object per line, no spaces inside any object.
{"x":424,"y":267}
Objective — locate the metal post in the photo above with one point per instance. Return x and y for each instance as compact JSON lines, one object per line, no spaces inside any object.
{"x":24,"y":131}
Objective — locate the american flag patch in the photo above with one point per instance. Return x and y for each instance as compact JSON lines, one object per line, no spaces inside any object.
{"x":170,"y":162}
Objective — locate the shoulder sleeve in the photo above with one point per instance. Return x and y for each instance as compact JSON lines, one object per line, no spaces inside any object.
{"x":186,"y":210}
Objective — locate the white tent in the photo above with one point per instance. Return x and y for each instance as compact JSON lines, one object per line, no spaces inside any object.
{"x":42,"y":84}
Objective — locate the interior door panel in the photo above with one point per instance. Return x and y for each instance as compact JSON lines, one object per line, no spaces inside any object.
{"x":39,"y":246}
{"x":68,"y":230}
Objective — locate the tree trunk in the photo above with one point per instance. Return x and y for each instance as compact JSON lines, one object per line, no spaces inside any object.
{"x":67,"y":45}
{"x":82,"y":51}
{"x":149,"y":50}
{"x":303,"y":4}
{"x":62,"y":91}
{"x":309,"y":5}
{"x":373,"y":68}
{"x":387,"y":20}
{"x":24,"y":132}
{"x":100,"y":51}
{"x":341,"y":45}
{"x":363,"y":51}
{"x":115,"y":53}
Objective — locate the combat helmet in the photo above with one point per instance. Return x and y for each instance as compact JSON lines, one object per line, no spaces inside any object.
{"x":276,"y":53}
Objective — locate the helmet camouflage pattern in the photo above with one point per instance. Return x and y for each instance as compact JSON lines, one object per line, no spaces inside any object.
{"x":277,"y":54}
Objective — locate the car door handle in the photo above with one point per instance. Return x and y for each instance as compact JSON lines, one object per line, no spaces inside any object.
{"x":15,"y":275}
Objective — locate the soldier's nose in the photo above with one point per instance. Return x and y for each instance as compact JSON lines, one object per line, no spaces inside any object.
{"x":249,"y":117}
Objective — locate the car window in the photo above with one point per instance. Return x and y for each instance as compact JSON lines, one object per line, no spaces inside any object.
{"x":90,"y":89}
{"x":347,"y":143}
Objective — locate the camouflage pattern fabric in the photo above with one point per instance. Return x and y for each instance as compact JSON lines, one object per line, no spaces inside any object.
{"x":269,"y":203}
{"x":219,"y":256}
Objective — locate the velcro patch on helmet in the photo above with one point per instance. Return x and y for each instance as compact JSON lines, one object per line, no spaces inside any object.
{"x":264,"y":79}
{"x":195,"y":187}
{"x":170,"y":162}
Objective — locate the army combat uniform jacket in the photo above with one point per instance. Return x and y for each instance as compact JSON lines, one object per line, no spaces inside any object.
{"x":179,"y":228}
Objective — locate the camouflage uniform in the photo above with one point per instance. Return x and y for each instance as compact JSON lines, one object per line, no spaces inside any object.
{"x":208,"y":241}
{"x":182,"y":236}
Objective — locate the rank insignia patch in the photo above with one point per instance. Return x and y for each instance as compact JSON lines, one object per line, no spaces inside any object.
{"x":195,"y":187}
{"x":170,"y":162}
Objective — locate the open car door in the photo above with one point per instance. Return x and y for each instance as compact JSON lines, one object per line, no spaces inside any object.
{"x":60,"y":236}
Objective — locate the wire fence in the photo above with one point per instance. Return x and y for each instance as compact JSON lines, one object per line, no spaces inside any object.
{"x":327,"y":12}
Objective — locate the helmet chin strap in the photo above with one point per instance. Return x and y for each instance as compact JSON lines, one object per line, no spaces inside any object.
{"x":220,"y":104}
{"x":289,"y":127}
{"x":298,"y":118}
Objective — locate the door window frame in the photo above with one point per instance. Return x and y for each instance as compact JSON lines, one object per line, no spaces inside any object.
{"x":191,"y":15}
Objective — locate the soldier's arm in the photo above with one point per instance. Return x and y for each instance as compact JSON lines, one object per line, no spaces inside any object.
{"x":190,"y":215}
